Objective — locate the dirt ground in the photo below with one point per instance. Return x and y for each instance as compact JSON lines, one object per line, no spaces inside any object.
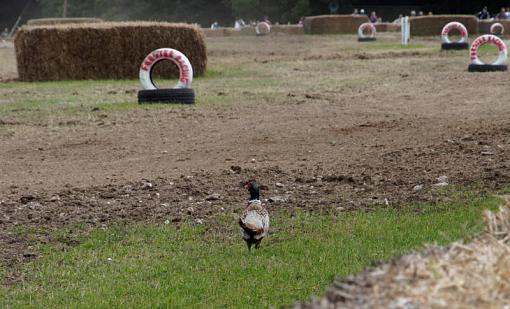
{"x":339,"y":126}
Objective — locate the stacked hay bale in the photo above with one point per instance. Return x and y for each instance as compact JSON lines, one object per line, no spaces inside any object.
{"x":333,"y":24}
{"x":102,"y":50}
{"x":433,"y":25}
{"x":61,"y":21}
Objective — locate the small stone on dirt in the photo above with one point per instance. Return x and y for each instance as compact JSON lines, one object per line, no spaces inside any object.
{"x":213,"y":197}
{"x":279,"y":185}
{"x":442,"y":179}
{"x":147,"y":185}
{"x":417,"y":188}
{"x":29,"y":255}
{"x":27,"y":198}
{"x":236,"y":169}
{"x":441,"y":184}
{"x":199,"y":221}
{"x":277,"y":199}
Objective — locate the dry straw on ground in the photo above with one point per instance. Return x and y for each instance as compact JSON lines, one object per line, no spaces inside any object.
{"x":333,"y":24}
{"x":474,"y":275}
{"x":433,"y":25}
{"x":102,"y":50}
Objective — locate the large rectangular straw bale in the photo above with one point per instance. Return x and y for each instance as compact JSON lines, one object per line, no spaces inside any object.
{"x":433,"y":25}
{"x":333,"y":24}
{"x":102,"y":50}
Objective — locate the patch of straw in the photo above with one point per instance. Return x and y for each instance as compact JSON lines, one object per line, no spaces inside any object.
{"x":474,"y":275}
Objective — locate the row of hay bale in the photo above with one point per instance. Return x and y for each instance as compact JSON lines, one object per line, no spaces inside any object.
{"x":102,"y":50}
{"x":484,"y":27}
{"x":433,"y":25}
{"x":420,"y":26}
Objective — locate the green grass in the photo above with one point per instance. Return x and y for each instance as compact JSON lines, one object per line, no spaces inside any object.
{"x":191,"y":267}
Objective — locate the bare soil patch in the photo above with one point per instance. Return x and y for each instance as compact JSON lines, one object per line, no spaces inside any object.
{"x":339,"y":133}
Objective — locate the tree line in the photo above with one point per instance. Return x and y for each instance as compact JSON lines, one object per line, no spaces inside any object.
{"x":203,"y":12}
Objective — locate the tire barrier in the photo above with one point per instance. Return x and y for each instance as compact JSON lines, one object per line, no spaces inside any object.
{"x":499,"y":65}
{"x":372,"y":31}
{"x":181,"y":93}
{"x":263,"y":28}
{"x":447,"y":43}
{"x":497,"y":29}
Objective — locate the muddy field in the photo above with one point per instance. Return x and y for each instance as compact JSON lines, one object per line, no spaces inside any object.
{"x":339,"y":125}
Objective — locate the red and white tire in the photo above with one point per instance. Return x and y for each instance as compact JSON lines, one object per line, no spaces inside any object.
{"x":182,"y":62}
{"x":454,"y":25}
{"x":486,"y":39}
{"x":366,"y":26}
{"x":496,"y":26}
{"x":263,"y":28}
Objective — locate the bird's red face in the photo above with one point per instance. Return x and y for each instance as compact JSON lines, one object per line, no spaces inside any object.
{"x":248,"y":184}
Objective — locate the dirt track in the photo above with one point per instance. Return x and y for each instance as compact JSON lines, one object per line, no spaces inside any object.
{"x":345,"y":128}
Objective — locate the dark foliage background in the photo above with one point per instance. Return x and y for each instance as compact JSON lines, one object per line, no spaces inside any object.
{"x":205,"y":12}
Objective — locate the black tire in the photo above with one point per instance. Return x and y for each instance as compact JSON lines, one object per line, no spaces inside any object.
{"x":177,"y":95}
{"x":487,"y":68}
{"x":455,"y":46}
{"x":367,"y":39}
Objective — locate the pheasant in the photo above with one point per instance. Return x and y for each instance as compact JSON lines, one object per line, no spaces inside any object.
{"x":254,"y":220}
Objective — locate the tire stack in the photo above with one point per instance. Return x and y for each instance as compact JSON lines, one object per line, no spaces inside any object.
{"x":182,"y":93}
{"x":448,"y":44}
{"x":371,"y":37}
{"x":499,"y":65}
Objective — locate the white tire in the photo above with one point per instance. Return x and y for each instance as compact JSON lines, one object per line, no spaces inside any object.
{"x":496,"y":26}
{"x":182,"y":62}
{"x":263,"y":28}
{"x":486,"y":39}
{"x":454,"y":25}
{"x":365,"y":26}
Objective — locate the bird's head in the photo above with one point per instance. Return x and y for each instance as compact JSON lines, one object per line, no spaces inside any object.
{"x":253,"y":188}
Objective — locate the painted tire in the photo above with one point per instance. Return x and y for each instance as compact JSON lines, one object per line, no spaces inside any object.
{"x":182,"y":62}
{"x":263,"y":28}
{"x":495,"y":26}
{"x":454,"y":25}
{"x":485,"y":39}
{"x":364,"y":26}
{"x":179,"y":95}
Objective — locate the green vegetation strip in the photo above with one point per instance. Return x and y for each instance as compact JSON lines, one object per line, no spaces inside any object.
{"x":193,"y":267}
